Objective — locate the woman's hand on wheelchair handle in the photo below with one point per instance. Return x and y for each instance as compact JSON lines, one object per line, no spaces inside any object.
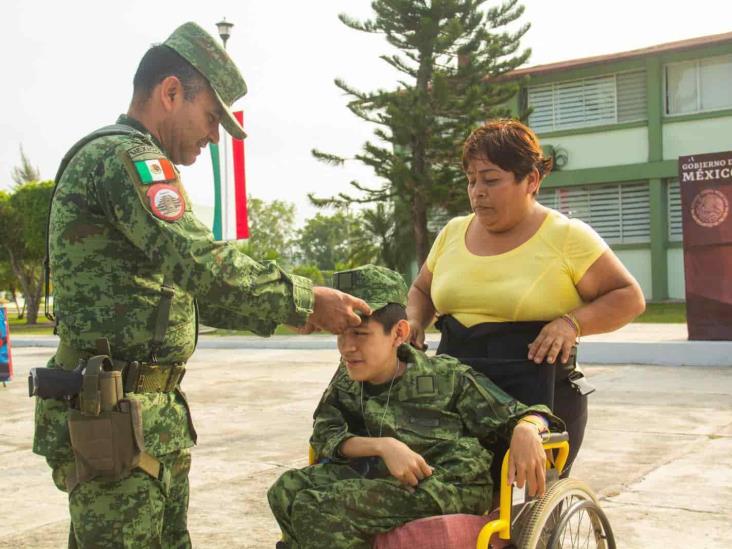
{"x":555,"y":340}
{"x":416,"y":335}
{"x":404,"y":464}
{"x":527,"y":460}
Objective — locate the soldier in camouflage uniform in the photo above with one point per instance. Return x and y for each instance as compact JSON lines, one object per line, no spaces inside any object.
{"x":401,"y":435}
{"x":131,"y":263}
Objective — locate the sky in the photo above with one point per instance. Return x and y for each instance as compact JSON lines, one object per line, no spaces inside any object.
{"x":67,"y":69}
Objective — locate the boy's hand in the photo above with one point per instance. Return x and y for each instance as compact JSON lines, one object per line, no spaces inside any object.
{"x":403,"y":463}
{"x":527,"y":460}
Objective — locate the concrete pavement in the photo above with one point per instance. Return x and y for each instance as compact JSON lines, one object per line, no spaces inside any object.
{"x":658,"y":449}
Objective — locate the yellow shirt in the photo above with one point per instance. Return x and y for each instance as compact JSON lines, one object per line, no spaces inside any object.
{"x":534,"y":281}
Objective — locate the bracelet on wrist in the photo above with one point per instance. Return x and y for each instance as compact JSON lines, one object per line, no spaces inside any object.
{"x":572,"y":321}
{"x":538,"y":421}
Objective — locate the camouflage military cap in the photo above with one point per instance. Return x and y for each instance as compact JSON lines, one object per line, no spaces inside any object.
{"x":377,"y":286}
{"x":202,"y":51}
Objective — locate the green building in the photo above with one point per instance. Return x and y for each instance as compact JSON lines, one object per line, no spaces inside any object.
{"x":616,"y":125}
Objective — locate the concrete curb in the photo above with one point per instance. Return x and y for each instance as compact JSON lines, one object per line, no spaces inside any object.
{"x":665,"y":353}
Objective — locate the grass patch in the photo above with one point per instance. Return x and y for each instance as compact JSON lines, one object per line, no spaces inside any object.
{"x":21,"y":327}
{"x":664,"y":312}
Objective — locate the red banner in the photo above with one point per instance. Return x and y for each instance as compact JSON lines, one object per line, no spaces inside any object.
{"x":706,"y":196}
{"x":240,"y":184}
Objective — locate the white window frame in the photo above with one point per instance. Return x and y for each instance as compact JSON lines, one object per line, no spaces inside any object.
{"x":697,"y":69}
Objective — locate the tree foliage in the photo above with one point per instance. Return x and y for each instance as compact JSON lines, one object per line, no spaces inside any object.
{"x":311,"y":272}
{"x":23,"y":216}
{"x":9,"y":283}
{"x":422,"y":122}
{"x":26,"y":172}
{"x":271,"y":230}
{"x":336,"y":241}
{"x":391,"y":236}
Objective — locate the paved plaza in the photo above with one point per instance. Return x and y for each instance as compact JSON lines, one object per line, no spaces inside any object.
{"x":658,"y":449}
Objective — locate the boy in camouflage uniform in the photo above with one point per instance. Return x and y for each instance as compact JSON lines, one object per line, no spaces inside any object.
{"x":401,"y":435}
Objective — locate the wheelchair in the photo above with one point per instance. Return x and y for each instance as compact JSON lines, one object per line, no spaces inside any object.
{"x":567,"y":516}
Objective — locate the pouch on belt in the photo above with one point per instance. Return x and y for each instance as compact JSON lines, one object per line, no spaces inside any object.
{"x":106,"y":431}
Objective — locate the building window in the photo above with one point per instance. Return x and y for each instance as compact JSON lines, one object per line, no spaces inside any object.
{"x":673,"y":205}
{"x":609,"y":99}
{"x":699,"y":85}
{"x":620,"y":213}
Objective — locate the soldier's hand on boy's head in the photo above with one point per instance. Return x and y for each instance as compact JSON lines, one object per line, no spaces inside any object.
{"x":305,"y":329}
{"x":335,"y":311}
{"x":404,"y":464}
{"x":527,"y":460}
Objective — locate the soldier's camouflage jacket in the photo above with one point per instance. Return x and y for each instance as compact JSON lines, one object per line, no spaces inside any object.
{"x":440,"y":408}
{"x":120,"y":223}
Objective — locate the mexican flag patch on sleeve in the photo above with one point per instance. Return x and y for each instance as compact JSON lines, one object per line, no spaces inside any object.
{"x":155,"y":170}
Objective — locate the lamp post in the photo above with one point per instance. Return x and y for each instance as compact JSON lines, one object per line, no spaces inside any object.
{"x":224,"y":28}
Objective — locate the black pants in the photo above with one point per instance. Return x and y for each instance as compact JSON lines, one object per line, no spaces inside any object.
{"x":499,"y":350}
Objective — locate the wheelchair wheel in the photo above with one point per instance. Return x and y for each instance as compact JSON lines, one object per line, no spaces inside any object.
{"x":568,"y":516}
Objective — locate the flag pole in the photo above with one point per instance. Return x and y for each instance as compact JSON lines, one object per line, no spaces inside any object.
{"x":224,"y":28}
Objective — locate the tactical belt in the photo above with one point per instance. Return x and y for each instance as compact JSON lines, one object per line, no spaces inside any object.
{"x":137,"y":376}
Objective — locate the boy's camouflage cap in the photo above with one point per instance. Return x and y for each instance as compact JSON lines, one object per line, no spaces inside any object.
{"x":377,"y":286}
{"x":202,"y":51}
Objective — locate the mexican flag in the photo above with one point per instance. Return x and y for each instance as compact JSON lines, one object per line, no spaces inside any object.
{"x":158,"y":169}
{"x":230,"y":195}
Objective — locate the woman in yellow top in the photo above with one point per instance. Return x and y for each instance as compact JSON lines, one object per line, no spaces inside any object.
{"x":515,"y":283}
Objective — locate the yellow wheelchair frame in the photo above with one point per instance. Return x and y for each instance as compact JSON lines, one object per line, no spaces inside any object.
{"x":502,"y":525}
{"x":556,"y":515}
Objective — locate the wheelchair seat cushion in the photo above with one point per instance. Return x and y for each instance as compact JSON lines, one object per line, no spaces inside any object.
{"x":454,"y":531}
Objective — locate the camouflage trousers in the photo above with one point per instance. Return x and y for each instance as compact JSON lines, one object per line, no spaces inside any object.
{"x":332,"y":505}
{"x":135,"y":512}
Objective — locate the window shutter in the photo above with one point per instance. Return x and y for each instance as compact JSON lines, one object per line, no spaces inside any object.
{"x":581,"y":103}
{"x":605,"y":212}
{"x":599,"y":101}
{"x":635,"y":212}
{"x":673,"y":204}
{"x":620,"y":213}
{"x":632,"y":96}
{"x":541,"y":100}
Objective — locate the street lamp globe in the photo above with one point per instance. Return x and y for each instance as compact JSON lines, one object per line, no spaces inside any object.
{"x":224,"y":28}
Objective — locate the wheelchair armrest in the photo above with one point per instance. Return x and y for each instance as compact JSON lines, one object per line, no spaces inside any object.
{"x":549,"y":438}
{"x":559,"y":442}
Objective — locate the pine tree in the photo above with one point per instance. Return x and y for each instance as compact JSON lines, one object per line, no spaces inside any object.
{"x":452,"y":54}
{"x":26,"y":172}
